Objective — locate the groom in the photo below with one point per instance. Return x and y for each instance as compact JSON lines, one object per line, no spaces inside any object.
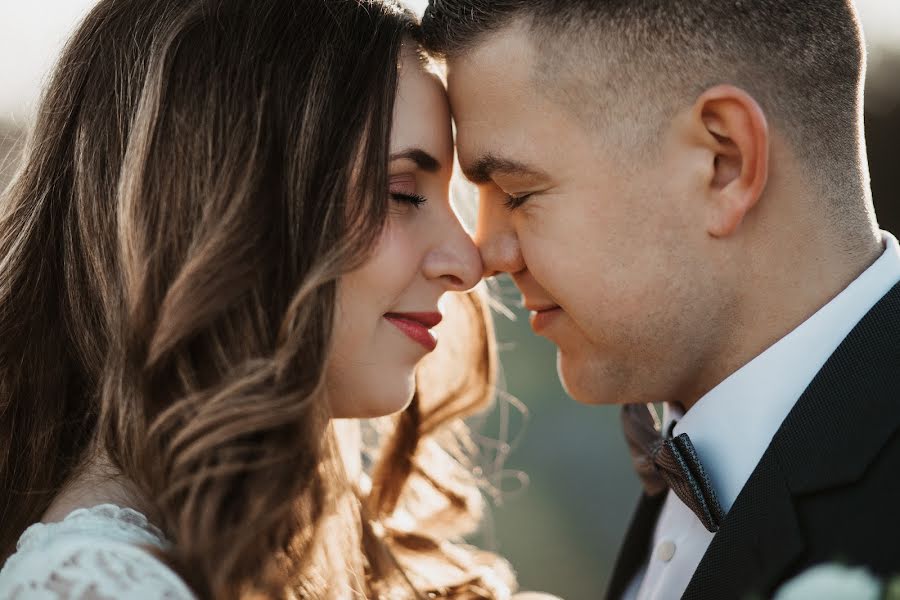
{"x":680,"y":191}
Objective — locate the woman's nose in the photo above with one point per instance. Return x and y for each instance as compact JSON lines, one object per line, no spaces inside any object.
{"x":454,"y":259}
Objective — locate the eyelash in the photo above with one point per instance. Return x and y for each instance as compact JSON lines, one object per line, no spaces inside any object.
{"x":414,"y":199}
{"x":514,"y":202}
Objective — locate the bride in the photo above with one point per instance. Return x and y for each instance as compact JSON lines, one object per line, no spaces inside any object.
{"x":230,"y":237}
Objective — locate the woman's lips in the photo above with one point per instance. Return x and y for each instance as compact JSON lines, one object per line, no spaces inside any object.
{"x":541,"y":319}
{"x":416,"y":326}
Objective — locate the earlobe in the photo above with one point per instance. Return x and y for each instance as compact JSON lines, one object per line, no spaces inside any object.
{"x":736,"y":133}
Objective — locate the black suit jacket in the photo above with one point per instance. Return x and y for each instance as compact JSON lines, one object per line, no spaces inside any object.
{"x":827,"y":488}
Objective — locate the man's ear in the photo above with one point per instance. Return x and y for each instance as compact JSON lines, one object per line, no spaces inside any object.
{"x":733,"y":130}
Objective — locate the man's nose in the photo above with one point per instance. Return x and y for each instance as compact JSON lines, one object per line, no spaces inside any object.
{"x":496,"y":239}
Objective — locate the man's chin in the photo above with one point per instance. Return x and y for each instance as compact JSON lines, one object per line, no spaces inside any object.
{"x":584,"y":380}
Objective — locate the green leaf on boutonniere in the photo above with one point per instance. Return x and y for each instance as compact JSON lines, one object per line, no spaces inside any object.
{"x":892,"y":589}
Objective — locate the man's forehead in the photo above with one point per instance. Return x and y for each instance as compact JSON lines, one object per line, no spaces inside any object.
{"x":502,"y":61}
{"x":492,"y":96}
{"x":505,"y":121}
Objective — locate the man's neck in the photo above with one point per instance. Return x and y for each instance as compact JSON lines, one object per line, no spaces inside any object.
{"x":772,"y":304}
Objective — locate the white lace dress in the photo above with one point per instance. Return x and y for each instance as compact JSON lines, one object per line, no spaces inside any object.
{"x":92,"y":554}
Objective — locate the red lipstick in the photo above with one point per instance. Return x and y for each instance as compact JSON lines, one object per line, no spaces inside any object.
{"x":416,"y":326}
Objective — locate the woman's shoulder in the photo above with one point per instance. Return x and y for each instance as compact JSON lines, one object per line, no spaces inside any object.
{"x":99,"y":552}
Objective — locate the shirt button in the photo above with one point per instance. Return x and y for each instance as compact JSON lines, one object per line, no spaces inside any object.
{"x":665,"y":551}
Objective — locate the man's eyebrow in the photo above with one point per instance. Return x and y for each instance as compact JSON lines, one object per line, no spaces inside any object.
{"x":484,"y":169}
{"x":423,"y":160}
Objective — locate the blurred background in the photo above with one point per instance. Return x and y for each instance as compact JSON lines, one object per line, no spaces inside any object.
{"x":562,"y":528}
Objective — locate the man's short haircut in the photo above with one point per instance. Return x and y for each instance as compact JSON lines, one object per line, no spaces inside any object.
{"x":802,"y":60}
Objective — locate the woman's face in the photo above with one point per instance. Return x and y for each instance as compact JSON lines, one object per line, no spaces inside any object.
{"x":387,"y":307}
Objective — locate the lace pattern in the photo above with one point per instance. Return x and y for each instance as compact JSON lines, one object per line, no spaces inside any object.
{"x":92,"y":554}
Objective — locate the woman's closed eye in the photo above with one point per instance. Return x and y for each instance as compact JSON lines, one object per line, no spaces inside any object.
{"x":403,"y":190}
{"x":413,"y":199}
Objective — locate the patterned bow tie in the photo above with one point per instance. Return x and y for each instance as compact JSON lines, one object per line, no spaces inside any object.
{"x":663,"y":462}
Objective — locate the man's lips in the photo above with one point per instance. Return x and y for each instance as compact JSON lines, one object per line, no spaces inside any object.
{"x":416,"y":326}
{"x":542,"y":316}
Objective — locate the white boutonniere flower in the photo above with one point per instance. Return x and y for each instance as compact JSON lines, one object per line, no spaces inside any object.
{"x":838,"y":582}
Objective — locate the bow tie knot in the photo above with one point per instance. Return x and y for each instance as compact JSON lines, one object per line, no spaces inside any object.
{"x":663,"y":462}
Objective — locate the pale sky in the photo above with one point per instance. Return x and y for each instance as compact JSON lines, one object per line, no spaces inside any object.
{"x":32,"y":33}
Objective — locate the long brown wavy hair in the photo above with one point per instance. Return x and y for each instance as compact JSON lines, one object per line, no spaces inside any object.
{"x":200,"y":176}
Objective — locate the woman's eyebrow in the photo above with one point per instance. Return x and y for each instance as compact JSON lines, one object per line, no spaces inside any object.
{"x":423,"y":160}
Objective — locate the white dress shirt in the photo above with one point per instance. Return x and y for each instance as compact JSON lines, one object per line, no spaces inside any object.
{"x":732,"y":425}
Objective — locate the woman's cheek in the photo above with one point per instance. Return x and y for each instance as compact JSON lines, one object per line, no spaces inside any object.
{"x":397,"y":257}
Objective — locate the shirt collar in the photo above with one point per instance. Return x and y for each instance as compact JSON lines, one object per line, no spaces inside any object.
{"x":733,"y":424}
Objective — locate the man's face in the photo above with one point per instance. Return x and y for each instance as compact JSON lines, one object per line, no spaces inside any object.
{"x":608,"y":246}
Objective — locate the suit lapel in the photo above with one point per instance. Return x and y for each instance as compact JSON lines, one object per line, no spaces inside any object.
{"x":833,"y":433}
{"x":633,"y":553}
{"x":851,"y":407}
{"x":760,"y":537}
